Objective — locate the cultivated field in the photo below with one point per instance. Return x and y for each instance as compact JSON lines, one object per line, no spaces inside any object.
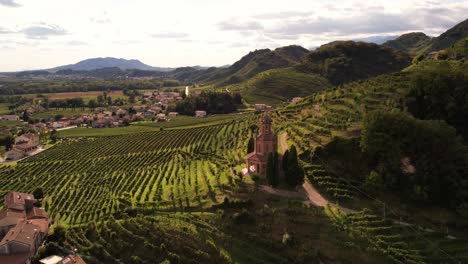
{"x":92,"y":179}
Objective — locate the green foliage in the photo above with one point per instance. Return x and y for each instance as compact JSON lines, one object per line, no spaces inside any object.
{"x":422,"y":159}
{"x":439,"y":90}
{"x":271,"y":169}
{"x":374,"y":183}
{"x":294,"y":173}
{"x":213,"y":103}
{"x":411,"y":43}
{"x":344,"y":61}
{"x":93,"y":179}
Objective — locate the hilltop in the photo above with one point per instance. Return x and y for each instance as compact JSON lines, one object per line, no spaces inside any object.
{"x":345,"y":61}
{"x":449,"y":38}
{"x":248,"y":66}
{"x":417,"y":42}
{"x":411,"y":43}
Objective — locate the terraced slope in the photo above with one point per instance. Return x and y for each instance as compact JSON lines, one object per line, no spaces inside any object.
{"x":279,"y":85}
{"x":338,"y":112}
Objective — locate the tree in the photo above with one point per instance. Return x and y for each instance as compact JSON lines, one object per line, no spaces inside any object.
{"x":38,"y":193}
{"x":420,"y":159}
{"x":251,"y":145}
{"x":92,"y":104}
{"x":294,"y":173}
{"x":285,"y":160}
{"x":276,"y":168}
{"x":270,"y":170}
{"x":25,"y":116}
{"x":54,"y":135}
{"x":256,"y":180}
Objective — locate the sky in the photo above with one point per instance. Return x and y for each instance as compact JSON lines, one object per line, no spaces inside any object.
{"x":41,"y":34}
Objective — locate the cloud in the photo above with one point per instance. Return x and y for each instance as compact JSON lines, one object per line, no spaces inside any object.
{"x":283,"y":15}
{"x":9,"y":3}
{"x":239,"y":26}
{"x":43,"y":31}
{"x":101,"y":20}
{"x":170,"y":35}
{"x":5,"y":31}
{"x":76,"y":43}
{"x":372,"y":22}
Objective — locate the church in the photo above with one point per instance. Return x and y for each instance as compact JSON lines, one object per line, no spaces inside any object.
{"x":265,"y":143}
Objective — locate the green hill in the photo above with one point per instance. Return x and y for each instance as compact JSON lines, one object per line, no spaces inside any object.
{"x":279,"y":85}
{"x":449,"y":38}
{"x":411,"y":43}
{"x":248,"y":66}
{"x":344,"y":61}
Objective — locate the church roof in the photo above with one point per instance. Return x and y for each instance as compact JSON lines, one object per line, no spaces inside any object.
{"x":256,"y":157}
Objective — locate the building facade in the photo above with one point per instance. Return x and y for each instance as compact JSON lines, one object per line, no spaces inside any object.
{"x":265,"y":143}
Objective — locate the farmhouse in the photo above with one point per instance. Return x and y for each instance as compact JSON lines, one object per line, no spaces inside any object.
{"x":200,"y":113}
{"x":24,"y":145}
{"x":23,"y":228}
{"x":173,"y":114}
{"x":265,"y":143}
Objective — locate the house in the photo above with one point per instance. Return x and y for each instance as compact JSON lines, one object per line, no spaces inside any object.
{"x":24,"y":145}
{"x":62,"y":260}
{"x":200,"y":113}
{"x":265,"y":143}
{"x":296,"y":99}
{"x":27,"y":138}
{"x":156,"y":109}
{"x":173,"y":114}
{"x":23,"y":228}
{"x":9,"y":118}
{"x":161,"y":117}
{"x":149,"y":113}
{"x":14,"y":154}
{"x":260,"y":107}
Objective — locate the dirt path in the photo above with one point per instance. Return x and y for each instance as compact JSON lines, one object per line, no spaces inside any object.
{"x":314,"y":197}
{"x":283,"y":193}
{"x":284,"y":144}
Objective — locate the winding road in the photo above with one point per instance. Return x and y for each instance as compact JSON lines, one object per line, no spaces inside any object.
{"x":313,"y":195}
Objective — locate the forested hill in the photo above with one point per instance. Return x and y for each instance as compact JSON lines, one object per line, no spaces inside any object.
{"x":248,"y":66}
{"x":344,"y":61}
{"x":449,"y":38}
{"x":417,"y":42}
{"x":411,"y":43}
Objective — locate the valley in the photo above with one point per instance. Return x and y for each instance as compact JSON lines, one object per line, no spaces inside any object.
{"x":351,"y":152}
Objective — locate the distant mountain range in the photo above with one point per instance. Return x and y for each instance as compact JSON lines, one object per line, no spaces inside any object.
{"x":123,"y":64}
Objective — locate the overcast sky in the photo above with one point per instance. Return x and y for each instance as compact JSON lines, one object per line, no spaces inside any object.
{"x":37,"y":34}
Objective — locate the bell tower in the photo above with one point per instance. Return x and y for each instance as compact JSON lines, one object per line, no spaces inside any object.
{"x":265,"y":143}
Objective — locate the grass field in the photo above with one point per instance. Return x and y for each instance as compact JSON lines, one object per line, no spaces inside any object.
{"x":86,"y":96}
{"x":4,"y":109}
{"x":67,"y":112}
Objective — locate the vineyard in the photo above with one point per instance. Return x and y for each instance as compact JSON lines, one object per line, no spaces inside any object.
{"x":337,"y":112}
{"x":401,"y":243}
{"x":90,"y":179}
{"x":332,"y":186}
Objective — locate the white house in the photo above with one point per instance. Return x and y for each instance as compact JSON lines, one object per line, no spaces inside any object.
{"x":200,"y":113}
